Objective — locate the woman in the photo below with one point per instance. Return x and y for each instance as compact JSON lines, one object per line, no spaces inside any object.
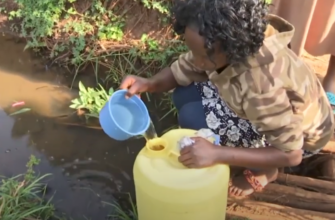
{"x":314,"y":22}
{"x":240,"y":76}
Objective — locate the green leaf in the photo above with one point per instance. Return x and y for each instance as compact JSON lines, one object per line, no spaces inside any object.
{"x":99,"y":102}
{"x":82,"y":87}
{"x":20,"y":111}
{"x":74,"y":106}
{"x":90,"y":90}
{"x":90,"y":100}
{"x":101,"y":88}
{"x":103,"y":92}
{"x":83,"y":100}
{"x":95,"y":115}
{"x":110,"y":91}
{"x":75,"y":101}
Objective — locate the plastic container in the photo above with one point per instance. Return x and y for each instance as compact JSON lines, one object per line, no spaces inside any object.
{"x":123,"y":118}
{"x":166,"y":190}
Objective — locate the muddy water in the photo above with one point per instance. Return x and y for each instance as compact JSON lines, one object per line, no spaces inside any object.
{"x":87,"y":167}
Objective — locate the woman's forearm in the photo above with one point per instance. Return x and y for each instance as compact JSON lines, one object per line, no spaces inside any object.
{"x":163,"y":81}
{"x":263,"y":158}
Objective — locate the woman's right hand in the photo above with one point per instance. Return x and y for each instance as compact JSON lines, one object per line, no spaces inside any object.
{"x":135,"y":85}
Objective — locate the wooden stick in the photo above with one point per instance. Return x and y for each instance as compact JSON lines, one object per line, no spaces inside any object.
{"x":279,"y":212}
{"x":297,"y":198}
{"x":328,"y":169}
{"x":322,"y":186}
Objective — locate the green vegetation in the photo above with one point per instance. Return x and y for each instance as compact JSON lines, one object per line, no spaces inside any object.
{"x":76,"y":32}
{"x":91,"y":100}
{"x":125,"y":37}
{"x":121,"y":213}
{"x":21,"y":197}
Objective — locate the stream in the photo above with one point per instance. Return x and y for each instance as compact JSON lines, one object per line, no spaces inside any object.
{"x":87,"y":167}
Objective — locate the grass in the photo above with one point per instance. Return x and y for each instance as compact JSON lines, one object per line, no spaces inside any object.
{"x":21,"y":200}
{"x":121,"y":213}
{"x":22,"y":197}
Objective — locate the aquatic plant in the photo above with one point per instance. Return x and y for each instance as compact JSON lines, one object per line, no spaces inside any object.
{"x":22,"y":196}
{"x":91,"y":100}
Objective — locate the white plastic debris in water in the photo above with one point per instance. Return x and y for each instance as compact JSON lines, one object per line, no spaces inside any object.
{"x":187,"y":141}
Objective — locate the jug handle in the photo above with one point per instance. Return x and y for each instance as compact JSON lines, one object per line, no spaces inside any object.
{"x":175,"y":154}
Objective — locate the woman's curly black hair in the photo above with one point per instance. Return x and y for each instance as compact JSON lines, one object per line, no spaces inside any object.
{"x":239,"y":25}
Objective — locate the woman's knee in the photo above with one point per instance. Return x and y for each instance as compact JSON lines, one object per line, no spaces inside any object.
{"x":192,"y":116}
{"x":185,"y":94}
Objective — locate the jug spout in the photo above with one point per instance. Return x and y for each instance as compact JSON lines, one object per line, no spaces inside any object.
{"x":157,"y":147}
{"x":160,"y":148}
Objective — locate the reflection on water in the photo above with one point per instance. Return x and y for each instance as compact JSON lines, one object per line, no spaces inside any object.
{"x":87,"y":166}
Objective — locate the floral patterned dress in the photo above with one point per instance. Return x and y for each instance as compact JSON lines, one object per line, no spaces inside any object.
{"x":233,"y":131}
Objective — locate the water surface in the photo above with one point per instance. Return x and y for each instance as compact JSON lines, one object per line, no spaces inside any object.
{"x":87,"y":167}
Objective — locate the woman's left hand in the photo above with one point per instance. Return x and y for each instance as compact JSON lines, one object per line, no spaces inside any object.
{"x":201,"y":154}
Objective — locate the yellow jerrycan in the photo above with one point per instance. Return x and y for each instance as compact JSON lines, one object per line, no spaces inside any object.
{"x":167,"y":190}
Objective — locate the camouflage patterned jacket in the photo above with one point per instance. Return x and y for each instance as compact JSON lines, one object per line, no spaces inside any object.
{"x":274,"y":89}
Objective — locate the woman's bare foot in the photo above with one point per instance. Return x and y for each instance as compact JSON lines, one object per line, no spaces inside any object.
{"x":241,"y":187}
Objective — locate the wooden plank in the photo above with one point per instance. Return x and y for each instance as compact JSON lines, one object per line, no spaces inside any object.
{"x":296,"y":197}
{"x":328,"y":169}
{"x":317,"y":185}
{"x":257,"y":210}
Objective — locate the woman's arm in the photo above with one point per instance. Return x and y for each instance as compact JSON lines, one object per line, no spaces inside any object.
{"x":204,"y":153}
{"x":181,"y":72}
{"x":266,"y":157}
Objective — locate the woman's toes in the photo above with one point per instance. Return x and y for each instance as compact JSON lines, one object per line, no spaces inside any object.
{"x":238,"y":192}
{"x":234,"y":190}
{"x":240,"y":186}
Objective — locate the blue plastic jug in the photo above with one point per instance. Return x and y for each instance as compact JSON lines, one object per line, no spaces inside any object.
{"x":123,"y":118}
